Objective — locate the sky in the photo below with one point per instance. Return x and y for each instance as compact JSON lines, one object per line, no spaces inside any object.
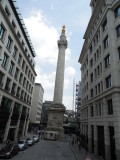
{"x":44,"y":20}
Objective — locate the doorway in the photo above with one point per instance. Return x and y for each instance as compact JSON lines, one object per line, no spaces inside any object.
{"x":112,"y":143}
{"x":92,"y":130}
{"x":101,"y":144}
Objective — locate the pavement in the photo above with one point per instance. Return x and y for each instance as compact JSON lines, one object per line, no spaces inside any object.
{"x":80,"y":154}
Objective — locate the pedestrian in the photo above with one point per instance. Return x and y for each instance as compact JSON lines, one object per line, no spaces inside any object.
{"x":7,"y":142}
{"x":79,"y":145}
{"x":88,"y":157}
{"x":73,"y":141}
{"x":101,"y":158}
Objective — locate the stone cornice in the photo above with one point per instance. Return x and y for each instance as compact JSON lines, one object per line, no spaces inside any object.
{"x":93,"y":18}
{"x":82,"y":52}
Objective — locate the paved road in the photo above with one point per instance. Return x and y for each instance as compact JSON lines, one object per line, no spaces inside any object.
{"x":47,"y":150}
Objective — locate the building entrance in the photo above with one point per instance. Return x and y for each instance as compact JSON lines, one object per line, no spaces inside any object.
{"x":101,"y":144}
{"x":92,"y":130}
{"x":112,"y":143}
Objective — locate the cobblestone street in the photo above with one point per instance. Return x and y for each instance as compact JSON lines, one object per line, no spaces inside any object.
{"x":53,"y":150}
{"x":47,"y":150}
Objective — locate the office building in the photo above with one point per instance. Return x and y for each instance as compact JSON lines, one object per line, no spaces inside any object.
{"x":17,"y":72}
{"x":100,"y":68}
{"x":36,"y":109}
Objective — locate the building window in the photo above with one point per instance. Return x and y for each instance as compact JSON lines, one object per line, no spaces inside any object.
{"x":95,"y":73}
{"x":23,"y":43}
{"x":29,"y":74}
{"x":7,"y":86}
{"x":91,"y":77}
{"x":1,"y":79}
{"x":99,"y":87}
{"x":105,"y":25}
{"x":9,"y":42}
{"x":18,"y":34}
{"x":95,"y":57}
{"x":26,"y":70}
{"x":15,"y":52}
{"x":110,"y":107}
{"x":31,"y":90}
{"x":22,"y":93}
{"x":91,"y":108}
{"x":25,"y":97}
{"x":106,"y":42}
{"x":13,"y":89}
{"x":27,"y":85}
{"x":7,"y":11}
{"x":100,"y":109}
{"x":119,"y":52}
{"x":24,"y":81}
{"x":13,"y":24}
{"x":19,"y":59}
{"x":23,"y":65}
{"x":91,"y":93}
{"x":18,"y":92}
{"x":108,"y":81}
{"x":107,"y":61}
{"x":11,"y":68}
{"x":98,"y":70}
{"x":96,"y":89}
{"x":100,"y":67}
{"x":4,"y":62}
{"x":118,"y":31}
{"x":20,"y":79}
{"x":91,"y":49}
{"x":16,"y":73}
{"x":91,"y":62}
{"x":5,"y":105}
{"x":117,"y":12}
{"x":2,"y":31}
{"x":16,"y":109}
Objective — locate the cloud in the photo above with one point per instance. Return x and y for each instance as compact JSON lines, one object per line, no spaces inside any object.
{"x":44,"y":37}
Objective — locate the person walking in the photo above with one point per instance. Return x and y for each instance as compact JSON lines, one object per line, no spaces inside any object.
{"x":101,"y":158}
{"x":79,"y":145}
{"x":73,"y":141}
{"x":88,"y":157}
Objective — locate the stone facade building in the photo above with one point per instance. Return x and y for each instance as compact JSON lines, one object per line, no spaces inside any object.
{"x":78,"y":104}
{"x":100,"y":67}
{"x":36,"y":109}
{"x":44,"y":117}
{"x":17,"y":73}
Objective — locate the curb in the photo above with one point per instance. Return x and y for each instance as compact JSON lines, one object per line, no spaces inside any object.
{"x":73,"y":151}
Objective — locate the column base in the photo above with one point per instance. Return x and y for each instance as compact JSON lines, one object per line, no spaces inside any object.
{"x":55,"y":120}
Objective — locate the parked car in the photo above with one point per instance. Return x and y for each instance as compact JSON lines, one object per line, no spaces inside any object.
{"x":23,"y":144}
{"x":9,"y":150}
{"x":36,"y":138}
{"x":30,"y":141}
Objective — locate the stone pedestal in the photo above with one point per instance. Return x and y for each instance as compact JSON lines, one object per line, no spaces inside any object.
{"x":55,"y":119}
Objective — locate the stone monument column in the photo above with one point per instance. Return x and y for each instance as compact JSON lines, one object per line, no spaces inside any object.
{"x":57,"y":109}
{"x":59,"y":81}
